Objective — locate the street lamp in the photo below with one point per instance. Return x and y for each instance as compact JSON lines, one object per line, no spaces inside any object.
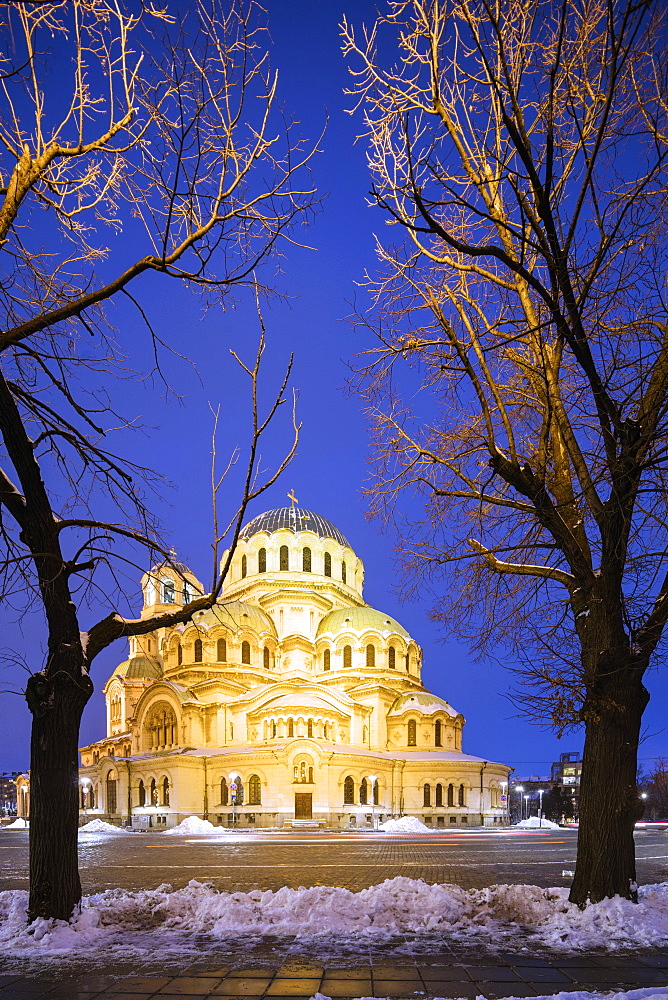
{"x":373,"y":778}
{"x":520,"y":789}
{"x":540,"y":813}
{"x":85,"y":782}
{"x":526,"y":804}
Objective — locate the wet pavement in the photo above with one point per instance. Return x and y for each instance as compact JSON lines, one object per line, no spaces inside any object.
{"x":375,"y":976}
{"x":245,"y":861}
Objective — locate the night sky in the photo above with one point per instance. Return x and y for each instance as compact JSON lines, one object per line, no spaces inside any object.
{"x":331,"y":467}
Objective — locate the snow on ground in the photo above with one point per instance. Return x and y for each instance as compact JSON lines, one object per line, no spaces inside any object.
{"x":534,"y":822}
{"x":99,"y":826}
{"x":407,"y":824}
{"x":648,"y":993}
{"x":502,"y":916}
{"x":17,"y":824}
{"x":193,"y":824}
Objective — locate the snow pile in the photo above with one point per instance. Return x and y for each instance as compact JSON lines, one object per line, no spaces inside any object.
{"x":193,"y":824}
{"x":99,"y":826}
{"x":407,"y":824}
{"x":17,"y":824}
{"x":503,"y":916}
{"x":648,"y":993}
{"x":533,"y":823}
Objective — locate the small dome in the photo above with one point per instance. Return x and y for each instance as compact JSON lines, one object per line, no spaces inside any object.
{"x":359,"y":620}
{"x":235,"y":615}
{"x":174,"y":564}
{"x":424,"y":703}
{"x":139,"y":666}
{"x":293,"y":519}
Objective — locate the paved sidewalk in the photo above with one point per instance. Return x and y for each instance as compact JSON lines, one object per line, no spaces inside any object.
{"x":428,"y":977}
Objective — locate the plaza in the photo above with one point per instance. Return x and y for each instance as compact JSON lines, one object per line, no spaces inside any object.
{"x":252,"y":965}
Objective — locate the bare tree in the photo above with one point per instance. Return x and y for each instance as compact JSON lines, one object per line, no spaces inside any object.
{"x":519,"y":382}
{"x":655,"y":785}
{"x":128,"y":145}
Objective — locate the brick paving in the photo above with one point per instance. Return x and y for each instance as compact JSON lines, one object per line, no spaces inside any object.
{"x":268,"y":861}
{"x":435,"y":976}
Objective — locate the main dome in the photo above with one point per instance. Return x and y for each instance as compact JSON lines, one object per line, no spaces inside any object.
{"x":293,"y":519}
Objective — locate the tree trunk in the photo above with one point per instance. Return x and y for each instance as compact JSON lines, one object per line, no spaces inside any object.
{"x":609,"y":801}
{"x":56,"y":701}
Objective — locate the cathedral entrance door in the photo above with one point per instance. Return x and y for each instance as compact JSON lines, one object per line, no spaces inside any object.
{"x":303,"y":805}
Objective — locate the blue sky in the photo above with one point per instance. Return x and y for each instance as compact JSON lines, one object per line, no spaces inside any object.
{"x":331,"y":465}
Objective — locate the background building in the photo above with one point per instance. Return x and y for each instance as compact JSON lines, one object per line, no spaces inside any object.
{"x":291,"y":701}
{"x":8,"y":793}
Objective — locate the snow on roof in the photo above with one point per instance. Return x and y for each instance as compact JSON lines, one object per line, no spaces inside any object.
{"x":425,"y":703}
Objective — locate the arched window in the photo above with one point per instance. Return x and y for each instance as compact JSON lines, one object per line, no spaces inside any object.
{"x":451,"y":795}
{"x":310,"y":775}
{"x":306,"y":560}
{"x":154,"y":793}
{"x":412,"y":733}
{"x":274,"y":730}
{"x":461,"y":801}
{"x":179,"y":654}
{"x":326,"y":659}
{"x":244,"y":566}
{"x":221,"y":651}
{"x":254,"y":790}
{"x":239,"y":791}
{"x":187,"y":592}
{"x":309,"y":728}
{"x":291,"y":727}
{"x":365,"y":734}
{"x":262,"y":561}
{"x":198,"y":650}
{"x":265,"y":658}
{"x":439,"y":795}
{"x":392,"y":658}
{"x":348,"y":791}
{"x":168,"y":592}
{"x":375,"y":793}
{"x":437,"y":733}
{"x":224,"y":793}
{"x":426,"y":795}
{"x":363,"y":792}
{"x":245,"y":652}
{"x":347,"y":657}
{"x":343,"y":572}
{"x":302,"y":772}
{"x":149,"y":593}
{"x":284,"y":558}
{"x":408,"y":662}
{"x":142,"y":793}
{"x":160,"y":729}
{"x":328,"y":564}
{"x":371,"y":655}
{"x":165,"y":791}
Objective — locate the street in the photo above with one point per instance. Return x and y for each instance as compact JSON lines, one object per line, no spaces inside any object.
{"x":245,"y":861}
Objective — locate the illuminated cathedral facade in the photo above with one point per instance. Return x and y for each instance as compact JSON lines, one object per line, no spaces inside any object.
{"x":290,"y":703}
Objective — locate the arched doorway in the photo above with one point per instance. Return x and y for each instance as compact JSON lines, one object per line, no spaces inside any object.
{"x":112,"y":782}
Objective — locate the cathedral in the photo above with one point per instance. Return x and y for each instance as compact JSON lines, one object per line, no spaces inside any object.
{"x":290,"y":703}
